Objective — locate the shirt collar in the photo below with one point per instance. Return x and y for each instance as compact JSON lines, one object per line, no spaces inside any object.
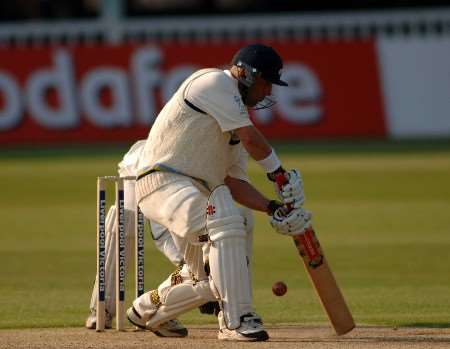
{"x":228,"y":73}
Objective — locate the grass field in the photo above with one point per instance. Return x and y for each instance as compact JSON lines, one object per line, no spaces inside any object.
{"x":382,"y":213}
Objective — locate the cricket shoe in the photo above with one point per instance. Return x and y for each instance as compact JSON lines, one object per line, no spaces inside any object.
{"x":251,"y":329}
{"x":91,"y":321}
{"x":171,"y":328}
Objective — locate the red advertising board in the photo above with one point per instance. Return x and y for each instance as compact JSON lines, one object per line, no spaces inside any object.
{"x":113,"y":93}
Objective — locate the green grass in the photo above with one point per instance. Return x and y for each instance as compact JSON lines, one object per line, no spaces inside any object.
{"x":381,"y":210}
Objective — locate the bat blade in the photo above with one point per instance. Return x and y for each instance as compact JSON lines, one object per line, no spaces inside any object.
{"x":324,"y":282}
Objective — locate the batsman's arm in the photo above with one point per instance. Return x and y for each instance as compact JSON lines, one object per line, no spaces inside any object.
{"x":247,"y":195}
{"x":254,"y":142}
{"x":260,"y":149}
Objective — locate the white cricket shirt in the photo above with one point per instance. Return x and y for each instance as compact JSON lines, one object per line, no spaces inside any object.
{"x":198,"y":144}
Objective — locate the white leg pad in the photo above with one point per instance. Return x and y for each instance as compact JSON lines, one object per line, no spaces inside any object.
{"x":249,"y":222}
{"x":169,"y":300}
{"x":228,"y":256}
{"x":180,"y":299}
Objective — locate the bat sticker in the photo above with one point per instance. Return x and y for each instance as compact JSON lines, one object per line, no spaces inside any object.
{"x":308,"y":246}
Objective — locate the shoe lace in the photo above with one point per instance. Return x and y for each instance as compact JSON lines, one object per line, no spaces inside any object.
{"x":251,"y":319}
{"x":173,"y":323}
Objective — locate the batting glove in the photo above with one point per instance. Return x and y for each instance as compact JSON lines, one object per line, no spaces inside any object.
{"x":292,"y":223}
{"x":292,"y":191}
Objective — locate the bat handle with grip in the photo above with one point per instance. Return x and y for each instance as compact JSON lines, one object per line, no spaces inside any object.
{"x":305,"y":241}
{"x":281,"y":179}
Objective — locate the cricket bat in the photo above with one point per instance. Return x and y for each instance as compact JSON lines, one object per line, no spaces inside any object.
{"x":321,"y":276}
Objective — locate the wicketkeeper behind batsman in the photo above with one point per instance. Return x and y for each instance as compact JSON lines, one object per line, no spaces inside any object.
{"x":183,"y":170}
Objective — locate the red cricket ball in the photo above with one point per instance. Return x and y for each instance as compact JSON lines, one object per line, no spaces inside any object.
{"x":279,"y":288}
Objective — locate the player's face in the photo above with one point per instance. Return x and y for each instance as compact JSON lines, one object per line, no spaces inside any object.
{"x":258,"y":91}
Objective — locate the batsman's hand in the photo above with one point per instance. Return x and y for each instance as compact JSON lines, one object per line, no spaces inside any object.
{"x":291,"y":223}
{"x":292,"y":191}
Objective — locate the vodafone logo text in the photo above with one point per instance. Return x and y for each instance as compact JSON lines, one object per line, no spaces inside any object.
{"x":85,"y":95}
{"x":114,"y":93}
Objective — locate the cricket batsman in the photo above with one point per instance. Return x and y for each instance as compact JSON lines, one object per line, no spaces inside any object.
{"x":162,"y":239}
{"x":192,"y":170}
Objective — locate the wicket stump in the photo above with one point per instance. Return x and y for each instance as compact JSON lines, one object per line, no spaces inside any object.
{"x":120,"y":241}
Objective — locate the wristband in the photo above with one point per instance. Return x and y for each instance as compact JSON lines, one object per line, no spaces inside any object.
{"x":271,"y":176}
{"x":270,"y":163}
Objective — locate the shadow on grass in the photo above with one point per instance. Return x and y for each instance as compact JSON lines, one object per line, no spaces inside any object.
{"x":428,"y":324}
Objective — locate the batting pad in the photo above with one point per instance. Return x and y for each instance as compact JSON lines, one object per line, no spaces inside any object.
{"x":180,"y":299}
{"x":249,"y":226}
{"x":228,"y":256}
